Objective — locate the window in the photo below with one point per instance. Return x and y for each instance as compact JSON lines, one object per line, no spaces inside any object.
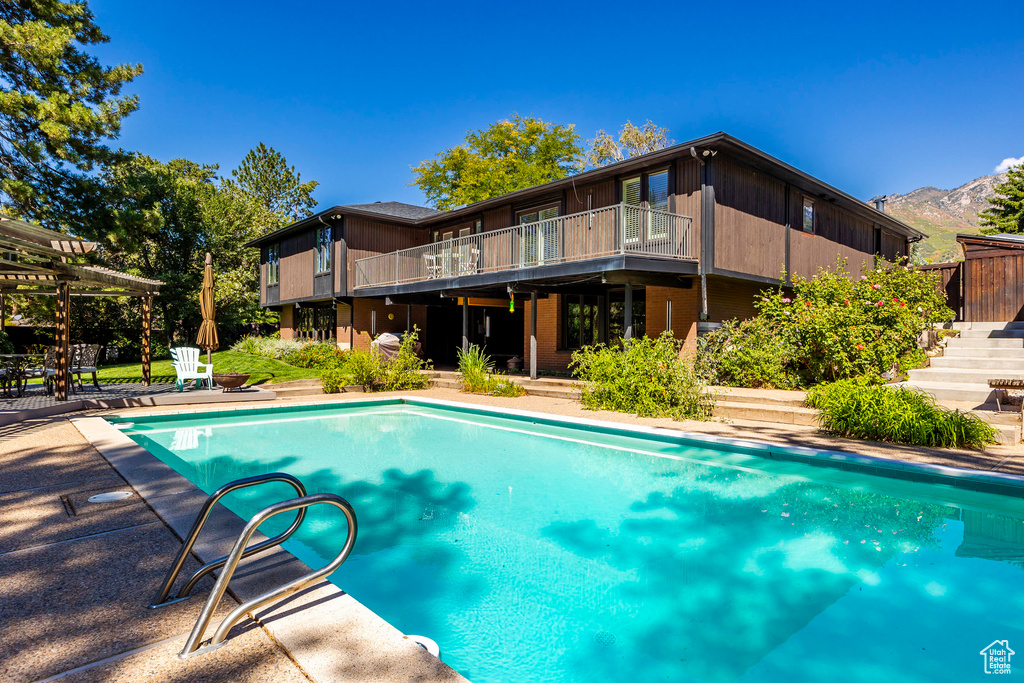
{"x":323,"y":249}
{"x":617,"y":313}
{"x":808,"y":214}
{"x":649,"y":191}
{"x":273,"y":265}
{"x":582,"y":318}
{"x":540,"y":236}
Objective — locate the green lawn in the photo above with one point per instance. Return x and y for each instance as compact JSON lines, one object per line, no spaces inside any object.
{"x":261,"y":370}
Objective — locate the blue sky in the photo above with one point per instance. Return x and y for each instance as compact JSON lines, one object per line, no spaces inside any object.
{"x":871,"y":97}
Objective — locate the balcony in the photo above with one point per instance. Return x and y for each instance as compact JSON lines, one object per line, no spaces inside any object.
{"x":609,"y":231}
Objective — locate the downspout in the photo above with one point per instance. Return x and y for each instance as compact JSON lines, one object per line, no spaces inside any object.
{"x":701,"y":271}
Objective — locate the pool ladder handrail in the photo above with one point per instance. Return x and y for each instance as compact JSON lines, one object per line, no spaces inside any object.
{"x":162,"y":599}
{"x":239,"y":551}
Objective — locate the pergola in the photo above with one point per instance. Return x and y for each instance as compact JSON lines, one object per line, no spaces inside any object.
{"x":41,"y":262}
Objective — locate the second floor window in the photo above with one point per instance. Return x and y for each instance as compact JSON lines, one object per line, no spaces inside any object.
{"x":273,"y":265}
{"x":649,"y":191}
{"x":808,"y":214}
{"x":323,"y":249}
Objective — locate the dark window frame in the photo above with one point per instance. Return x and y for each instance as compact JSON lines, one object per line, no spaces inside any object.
{"x":273,"y":264}
{"x":323,"y":243}
{"x":808,"y":202}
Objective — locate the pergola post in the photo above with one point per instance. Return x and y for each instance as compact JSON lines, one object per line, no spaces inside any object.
{"x":62,"y":378}
{"x":533,"y":335}
{"x":465,"y":323}
{"x":629,"y":311}
{"x":147,"y":328}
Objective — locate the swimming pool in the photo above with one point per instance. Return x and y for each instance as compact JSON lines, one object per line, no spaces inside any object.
{"x":537,"y":551}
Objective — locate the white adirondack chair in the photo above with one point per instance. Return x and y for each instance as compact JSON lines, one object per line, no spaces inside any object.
{"x":185,"y":361}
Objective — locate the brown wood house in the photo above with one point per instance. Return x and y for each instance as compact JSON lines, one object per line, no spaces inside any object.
{"x":688,"y":234}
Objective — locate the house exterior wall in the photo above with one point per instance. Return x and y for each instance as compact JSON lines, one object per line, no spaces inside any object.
{"x":685,"y":313}
{"x":361,"y":321}
{"x":550,"y":355}
{"x":287,"y":324}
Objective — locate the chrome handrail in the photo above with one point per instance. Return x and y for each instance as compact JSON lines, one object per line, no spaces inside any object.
{"x":161,"y":599}
{"x":238,"y":552}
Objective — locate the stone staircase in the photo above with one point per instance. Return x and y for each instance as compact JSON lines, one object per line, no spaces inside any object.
{"x":981,"y":352}
{"x":763,"y":405}
{"x":959,"y":377}
{"x":551,"y":387}
{"x":297,"y":388}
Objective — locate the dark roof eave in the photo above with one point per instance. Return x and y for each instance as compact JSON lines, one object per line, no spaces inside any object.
{"x":774,"y":165}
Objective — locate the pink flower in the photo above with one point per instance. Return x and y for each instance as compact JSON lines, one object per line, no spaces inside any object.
{"x":863,"y":277}
{"x":786,"y":301}
{"x":876,"y":286}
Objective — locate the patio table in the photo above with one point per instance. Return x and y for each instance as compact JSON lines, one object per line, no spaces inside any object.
{"x":15,"y":370}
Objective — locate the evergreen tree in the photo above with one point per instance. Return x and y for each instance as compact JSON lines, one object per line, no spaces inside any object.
{"x":58,"y":105}
{"x":1006,"y":215}
{"x":266,"y":176}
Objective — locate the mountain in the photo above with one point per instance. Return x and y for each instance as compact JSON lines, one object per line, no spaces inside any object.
{"x":941,"y":214}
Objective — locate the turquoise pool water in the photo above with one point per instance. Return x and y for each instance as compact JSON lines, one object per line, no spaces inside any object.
{"x":534,"y":552}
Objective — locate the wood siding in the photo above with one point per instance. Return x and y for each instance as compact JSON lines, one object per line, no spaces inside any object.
{"x":750,"y":221}
{"x":993,"y":283}
{"x":950,"y":283}
{"x":298,"y":265}
{"x":367,"y":237}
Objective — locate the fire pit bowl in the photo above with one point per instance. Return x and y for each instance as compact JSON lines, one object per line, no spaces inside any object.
{"x":231,"y":380}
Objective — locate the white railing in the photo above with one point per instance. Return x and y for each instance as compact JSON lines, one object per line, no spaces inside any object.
{"x":619,"y":229}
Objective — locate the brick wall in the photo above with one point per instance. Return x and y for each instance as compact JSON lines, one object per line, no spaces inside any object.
{"x":287,"y":321}
{"x":549,"y":333}
{"x":728,"y":299}
{"x":685,"y":312}
{"x":362,"y":321}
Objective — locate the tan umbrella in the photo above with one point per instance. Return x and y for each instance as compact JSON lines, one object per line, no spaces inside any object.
{"x":207,"y":338}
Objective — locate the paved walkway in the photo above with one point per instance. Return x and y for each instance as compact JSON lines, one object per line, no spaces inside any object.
{"x":75,"y":576}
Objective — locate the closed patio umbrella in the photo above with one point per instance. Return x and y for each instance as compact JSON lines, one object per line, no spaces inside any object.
{"x":207,"y":338}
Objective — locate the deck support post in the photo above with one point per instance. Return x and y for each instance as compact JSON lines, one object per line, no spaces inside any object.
{"x":465,"y":323}
{"x":62,"y":378}
{"x":533,"y":335}
{"x":147,"y":327}
{"x":629,"y":311}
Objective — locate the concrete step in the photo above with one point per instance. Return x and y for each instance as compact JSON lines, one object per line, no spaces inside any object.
{"x":992,"y":334}
{"x":776,"y":398}
{"x":997,"y":352}
{"x":985,"y":343}
{"x":974,"y":363}
{"x":297,"y":383}
{"x":957,"y":375}
{"x":975,"y":394}
{"x":762,"y":412}
{"x":296,"y":392}
{"x":537,"y":388}
{"x":1012,"y":325}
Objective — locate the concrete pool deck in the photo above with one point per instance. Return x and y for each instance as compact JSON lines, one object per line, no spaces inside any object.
{"x":76,"y":577}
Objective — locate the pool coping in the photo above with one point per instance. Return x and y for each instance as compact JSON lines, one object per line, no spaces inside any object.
{"x":328,"y":608}
{"x":311,"y":625}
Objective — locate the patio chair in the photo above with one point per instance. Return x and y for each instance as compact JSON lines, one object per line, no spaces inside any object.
{"x":468,"y":259}
{"x":433,"y":267}
{"x":47,"y":372}
{"x":185,"y":361}
{"x":85,"y":362}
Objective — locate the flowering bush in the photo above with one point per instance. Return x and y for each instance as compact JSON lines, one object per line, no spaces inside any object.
{"x":830,"y":327}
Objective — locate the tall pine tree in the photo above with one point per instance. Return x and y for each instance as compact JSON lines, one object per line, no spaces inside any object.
{"x":1006,"y":215}
{"x":266,"y":176}
{"x":58,"y":106}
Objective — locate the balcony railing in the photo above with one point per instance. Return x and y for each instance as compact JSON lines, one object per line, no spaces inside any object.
{"x":619,"y":229}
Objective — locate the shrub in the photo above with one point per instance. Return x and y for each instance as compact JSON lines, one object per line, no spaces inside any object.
{"x":399,"y":373}
{"x":830,"y":327}
{"x":474,"y":367}
{"x":268,"y":347}
{"x":857,"y":409}
{"x":644,"y":376}
{"x":316,"y":355}
{"x":363,"y":367}
{"x":332,"y":379}
{"x":402,"y":371}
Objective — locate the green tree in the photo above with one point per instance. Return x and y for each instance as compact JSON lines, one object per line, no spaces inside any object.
{"x":266,"y":176}
{"x":632,"y":141}
{"x":506,"y":156}
{"x":58,"y":105}
{"x":1006,"y":215}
